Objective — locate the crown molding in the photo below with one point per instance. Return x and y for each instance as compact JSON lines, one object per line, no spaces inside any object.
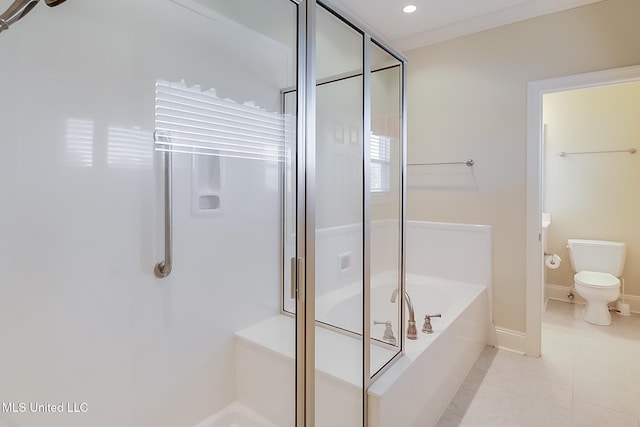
{"x":499,"y":18}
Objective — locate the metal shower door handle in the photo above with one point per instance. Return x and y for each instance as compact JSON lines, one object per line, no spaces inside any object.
{"x":297,"y":275}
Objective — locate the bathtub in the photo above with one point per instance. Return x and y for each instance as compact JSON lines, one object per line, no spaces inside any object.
{"x":343,"y":308}
{"x":414,"y":391}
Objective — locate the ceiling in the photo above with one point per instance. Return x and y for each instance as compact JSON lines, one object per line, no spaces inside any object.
{"x":438,"y":20}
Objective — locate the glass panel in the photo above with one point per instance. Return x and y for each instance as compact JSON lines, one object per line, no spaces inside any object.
{"x":339,"y":223}
{"x":89,"y":335}
{"x":386,"y":206}
{"x":339,"y":169}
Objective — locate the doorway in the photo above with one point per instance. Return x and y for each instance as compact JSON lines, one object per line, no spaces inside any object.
{"x":535,"y":132}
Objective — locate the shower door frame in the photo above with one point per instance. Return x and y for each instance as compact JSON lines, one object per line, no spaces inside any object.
{"x":304,"y":279}
{"x":305,"y":172}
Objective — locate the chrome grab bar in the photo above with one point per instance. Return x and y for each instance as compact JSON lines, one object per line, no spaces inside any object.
{"x":163,"y":268}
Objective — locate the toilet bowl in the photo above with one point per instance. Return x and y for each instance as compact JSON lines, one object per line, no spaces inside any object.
{"x":597,"y":264}
{"x":598,"y":289}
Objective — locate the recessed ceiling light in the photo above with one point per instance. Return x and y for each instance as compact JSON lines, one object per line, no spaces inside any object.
{"x":409,"y":8}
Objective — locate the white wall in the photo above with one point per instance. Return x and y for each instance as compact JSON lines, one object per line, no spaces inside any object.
{"x":83,"y":317}
{"x":467,"y":99}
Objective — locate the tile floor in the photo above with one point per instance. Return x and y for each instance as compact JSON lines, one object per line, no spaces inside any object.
{"x":587,"y":376}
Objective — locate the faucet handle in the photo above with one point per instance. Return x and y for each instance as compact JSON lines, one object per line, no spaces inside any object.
{"x":388,"y":332}
{"x":427,"y":328}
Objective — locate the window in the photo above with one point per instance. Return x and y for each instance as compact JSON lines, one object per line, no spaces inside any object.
{"x":380,"y":163}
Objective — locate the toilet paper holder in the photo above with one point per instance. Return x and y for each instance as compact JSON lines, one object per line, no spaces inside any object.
{"x":552,"y":260}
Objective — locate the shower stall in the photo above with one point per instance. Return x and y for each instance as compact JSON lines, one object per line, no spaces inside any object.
{"x":191,"y":189}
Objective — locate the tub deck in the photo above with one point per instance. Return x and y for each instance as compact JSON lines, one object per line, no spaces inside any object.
{"x":337,"y":355}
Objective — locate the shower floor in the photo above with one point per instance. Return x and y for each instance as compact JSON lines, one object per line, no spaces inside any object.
{"x":236,"y":415}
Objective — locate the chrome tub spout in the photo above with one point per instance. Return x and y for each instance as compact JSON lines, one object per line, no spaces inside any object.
{"x":412,"y":331}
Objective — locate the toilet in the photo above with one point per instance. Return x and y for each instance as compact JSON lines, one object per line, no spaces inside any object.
{"x":597,"y":264}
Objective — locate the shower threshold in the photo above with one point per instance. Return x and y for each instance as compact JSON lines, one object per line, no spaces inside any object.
{"x":236,"y":415}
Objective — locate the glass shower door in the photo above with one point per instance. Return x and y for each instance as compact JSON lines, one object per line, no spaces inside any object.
{"x":85,"y":325}
{"x":388,"y":326}
{"x":339,"y":223}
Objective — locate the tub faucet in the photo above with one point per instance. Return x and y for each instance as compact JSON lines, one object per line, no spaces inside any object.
{"x":412,"y":331}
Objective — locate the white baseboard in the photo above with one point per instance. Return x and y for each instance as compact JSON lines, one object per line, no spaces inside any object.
{"x":510,"y":340}
{"x":560,"y":293}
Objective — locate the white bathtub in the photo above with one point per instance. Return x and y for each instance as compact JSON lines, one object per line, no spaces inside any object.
{"x":413,"y":392}
{"x":343,"y":308}
{"x":416,"y":389}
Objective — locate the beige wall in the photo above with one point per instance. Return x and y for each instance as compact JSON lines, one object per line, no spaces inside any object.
{"x":468,"y":98}
{"x":593,"y":196}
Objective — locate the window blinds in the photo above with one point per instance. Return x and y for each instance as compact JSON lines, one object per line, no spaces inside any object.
{"x":380,"y":157}
{"x":190,"y":121}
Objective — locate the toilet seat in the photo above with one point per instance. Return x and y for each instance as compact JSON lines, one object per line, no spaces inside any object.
{"x":597,"y":280}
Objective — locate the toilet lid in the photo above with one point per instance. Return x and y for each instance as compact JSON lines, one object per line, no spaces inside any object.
{"x":594,"y":279}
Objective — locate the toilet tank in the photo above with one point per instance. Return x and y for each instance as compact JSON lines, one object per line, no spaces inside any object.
{"x":597,"y":255}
